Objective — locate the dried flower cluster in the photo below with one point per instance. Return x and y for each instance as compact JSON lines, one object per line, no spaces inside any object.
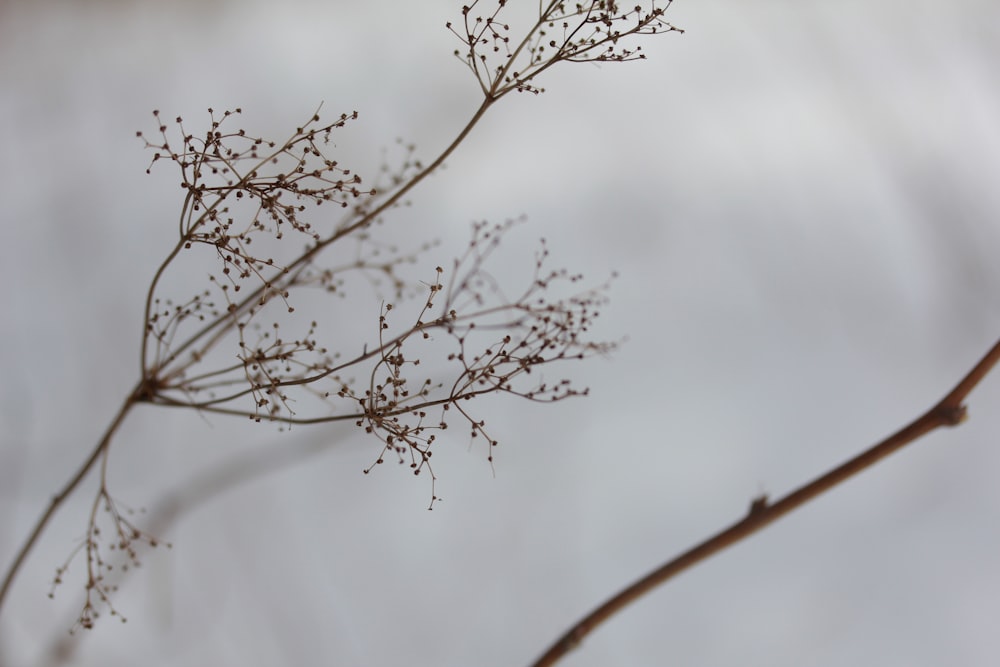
{"x":242,"y":190}
{"x":596,"y":31}
{"x":103,"y":570}
{"x":253,"y":342}
{"x":373,"y":384}
{"x":496,"y":345}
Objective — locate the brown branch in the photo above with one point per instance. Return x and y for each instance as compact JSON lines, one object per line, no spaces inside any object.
{"x":949,"y":411}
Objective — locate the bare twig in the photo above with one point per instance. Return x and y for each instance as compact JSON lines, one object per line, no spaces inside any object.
{"x":949,"y":411}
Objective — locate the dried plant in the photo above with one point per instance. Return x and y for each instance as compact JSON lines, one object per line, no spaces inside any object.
{"x":252,"y":209}
{"x":284,"y":224}
{"x":574,"y":32}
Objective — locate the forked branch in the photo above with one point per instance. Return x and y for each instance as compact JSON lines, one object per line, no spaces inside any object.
{"x":241,"y":189}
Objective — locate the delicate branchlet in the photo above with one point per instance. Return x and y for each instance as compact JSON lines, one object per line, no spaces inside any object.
{"x":495,"y":346}
{"x":273,"y":370}
{"x":242,"y":190}
{"x":124,"y":540}
{"x":595,"y":31}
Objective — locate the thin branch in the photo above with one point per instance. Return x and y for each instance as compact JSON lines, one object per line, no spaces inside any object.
{"x":949,"y":411}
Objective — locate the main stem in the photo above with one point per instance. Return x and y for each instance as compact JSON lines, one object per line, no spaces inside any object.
{"x":69,"y":488}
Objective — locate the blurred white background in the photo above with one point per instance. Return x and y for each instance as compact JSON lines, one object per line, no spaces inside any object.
{"x":801,"y":201}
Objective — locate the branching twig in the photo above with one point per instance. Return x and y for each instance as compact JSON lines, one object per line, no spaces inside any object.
{"x":242,"y":190}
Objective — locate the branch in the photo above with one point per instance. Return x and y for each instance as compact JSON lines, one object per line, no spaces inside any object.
{"x":949,"y":411}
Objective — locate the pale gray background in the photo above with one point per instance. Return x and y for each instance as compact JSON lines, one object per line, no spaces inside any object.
{"x":801,"y":199}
